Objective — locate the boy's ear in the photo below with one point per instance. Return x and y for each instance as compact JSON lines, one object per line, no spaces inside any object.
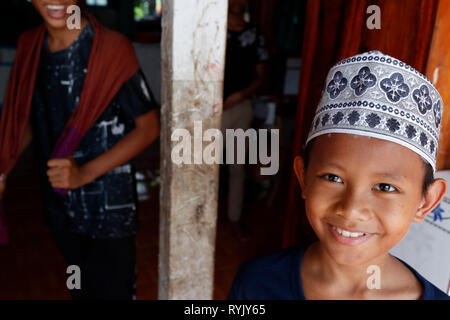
{"x":299,"y":169}
{"x":436,"y":191}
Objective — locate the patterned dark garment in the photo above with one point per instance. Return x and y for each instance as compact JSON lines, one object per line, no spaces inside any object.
{"x":105,"y":208}
{"x":245,"y":50}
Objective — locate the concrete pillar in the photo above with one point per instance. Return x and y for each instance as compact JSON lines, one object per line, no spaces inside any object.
{"x":193,"y":57}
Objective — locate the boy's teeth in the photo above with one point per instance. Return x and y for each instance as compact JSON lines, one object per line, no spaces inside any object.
{"x":349,"y":234}
{"x":55,"y":7}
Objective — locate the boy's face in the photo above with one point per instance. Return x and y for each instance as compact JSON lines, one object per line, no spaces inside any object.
{"x":54,"y":12}
{"x":236,"y":6}
{"x":363,"y":185}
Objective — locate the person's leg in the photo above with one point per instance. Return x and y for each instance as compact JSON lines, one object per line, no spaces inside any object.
{"x":110,"y":268}
{"x":72,"y":247}
{"x":236,"y":181}
{"x":238,"y":117}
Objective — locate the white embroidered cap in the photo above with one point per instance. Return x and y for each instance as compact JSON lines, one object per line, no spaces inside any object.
{"x":373,"y":94}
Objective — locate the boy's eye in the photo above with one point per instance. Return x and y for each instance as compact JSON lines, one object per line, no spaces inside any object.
{"x":385,"y":187}
{"x":332,"y":178}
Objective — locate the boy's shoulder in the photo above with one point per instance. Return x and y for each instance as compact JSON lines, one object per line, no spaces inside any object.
{"x":26,"y":36}
{"x":272,"y":261}
{"x":112,"y":40}
{"x":430,"y":292}
{"x":274,"y":276}
{"x":433,"y":293}
{"x":115,"y":35}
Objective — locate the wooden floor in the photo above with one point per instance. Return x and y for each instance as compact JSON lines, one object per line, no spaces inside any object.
{"x":32,"y":268}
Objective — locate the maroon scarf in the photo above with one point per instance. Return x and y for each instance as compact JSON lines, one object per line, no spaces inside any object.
{"x":112,"y":62}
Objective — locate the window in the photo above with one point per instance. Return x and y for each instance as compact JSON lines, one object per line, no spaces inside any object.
{"x":147,"y":9}
{"x":98,"y":3}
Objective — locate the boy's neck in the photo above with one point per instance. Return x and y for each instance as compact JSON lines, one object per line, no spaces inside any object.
{"x":348,"y":278}
{"x":62,"y":38}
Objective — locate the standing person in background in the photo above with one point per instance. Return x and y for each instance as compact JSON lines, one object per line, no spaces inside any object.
{"x":81,"y":96}
{"x":246,"y":55}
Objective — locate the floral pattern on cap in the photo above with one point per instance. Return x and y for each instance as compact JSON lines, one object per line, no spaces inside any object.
{"x":336,"y":85}
{"x":364,"y":80}
{"x":422,"y":97}
{"x":395,"y":87}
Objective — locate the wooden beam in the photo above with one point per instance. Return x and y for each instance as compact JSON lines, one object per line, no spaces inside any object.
{"x":193,"y":59}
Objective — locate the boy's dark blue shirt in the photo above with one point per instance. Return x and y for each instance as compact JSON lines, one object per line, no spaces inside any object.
{"x":276,"y":276}
{"x":106,"y":207}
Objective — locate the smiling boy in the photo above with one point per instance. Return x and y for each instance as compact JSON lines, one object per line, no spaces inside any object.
{"x":81,"y":96}
{"x":366,"y":175}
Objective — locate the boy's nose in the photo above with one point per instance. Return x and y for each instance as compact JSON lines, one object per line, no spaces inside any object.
{"x":353,"y":205}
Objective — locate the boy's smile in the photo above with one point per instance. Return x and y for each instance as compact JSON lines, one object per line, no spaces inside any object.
{"x":54,"y":12}
{"x":361,"y":195}
{"x":351,"y":238}
{"x":55,"y":16}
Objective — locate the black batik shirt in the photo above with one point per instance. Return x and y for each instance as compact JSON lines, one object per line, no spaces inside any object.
{"x":245,"y":50}
{"x":106,"y":207}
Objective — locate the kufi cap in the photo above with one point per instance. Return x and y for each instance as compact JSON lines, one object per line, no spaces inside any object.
{"x":375,"y":95}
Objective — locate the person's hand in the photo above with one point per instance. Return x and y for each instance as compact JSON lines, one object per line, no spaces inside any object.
{"x":2,"y":185}
{"x":66,"y":174}
{"x":233,"y":99}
